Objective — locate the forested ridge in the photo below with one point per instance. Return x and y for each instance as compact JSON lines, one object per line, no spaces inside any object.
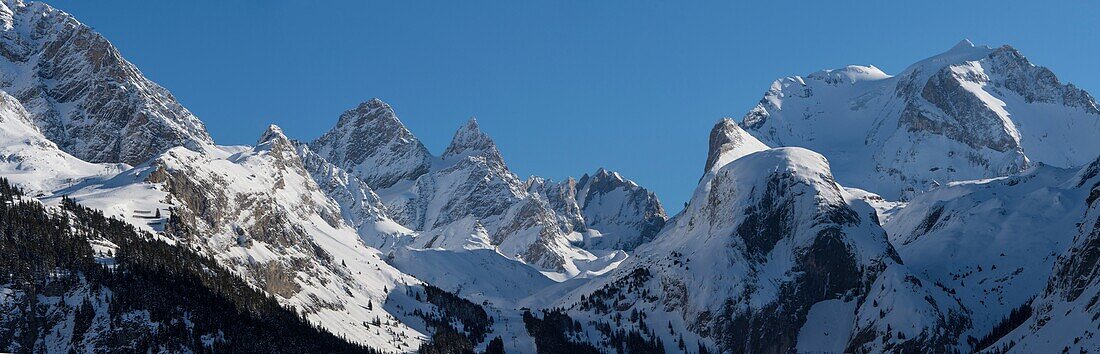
{"x":145,"y":294}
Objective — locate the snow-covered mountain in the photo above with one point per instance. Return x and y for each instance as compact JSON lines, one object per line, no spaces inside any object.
{"x":1016,"y":252}
{"x":467,"y":198}
{"x":301,"y":222}
{"x":969,"y":113}
{"x":954,"y":206}
{"x":772,"y":255}
{"x":611,"y":211}
{"x":83,"y":95}
{"x":470,"y":186}
{"x":259,"y":212}
{"x":470,"y":179}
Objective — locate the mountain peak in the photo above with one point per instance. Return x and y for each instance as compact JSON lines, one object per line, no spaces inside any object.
{"x":274,"y":140}
{"x":850,"y":74}
{"x":371,"y":143}
{"x":273,"y":132}
{"x":274,"y":144}
{"x":729,"y":142}
{"x":961,"y":52}
{"x":470,"y":140}
{"x":603,"y":174}
{"x":962,"y":45}
{"x":374,"y":104}
{"x":373,"y":108}
{"x":607,"y":179}
{"x":471,"y":125}
{"x":957,"y":95}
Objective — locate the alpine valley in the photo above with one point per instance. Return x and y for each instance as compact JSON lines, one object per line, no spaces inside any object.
{"x":952,"y":207}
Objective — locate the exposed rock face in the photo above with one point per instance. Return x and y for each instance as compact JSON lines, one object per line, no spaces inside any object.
{"x":729,"y":142}
{"x":613,"y":212}
{"x":1036,"y":83}
{"x":370,"y":143}
{"x":1076,"y":273}
{"x":625,"y":214}
{"x":215,"y":207}
{"x":471,"y":141}
{"x":360,"y":207}
{"x":472,"y":182}
{"x":529,"y":231}
{"x":82,"y":94}
{"x":969,"y":113}
{"x":562,"y":197}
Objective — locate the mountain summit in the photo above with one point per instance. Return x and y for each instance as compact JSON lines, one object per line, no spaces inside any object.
{"x":371,"y":143}
{"x":469,"y":140}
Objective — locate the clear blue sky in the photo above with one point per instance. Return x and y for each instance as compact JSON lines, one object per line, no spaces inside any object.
{"x":564,"y":87}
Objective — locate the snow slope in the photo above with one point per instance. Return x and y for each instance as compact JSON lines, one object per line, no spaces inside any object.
{"x":33,"y":162}
{"x":1064,"y":315}
{"x":989,"y":241}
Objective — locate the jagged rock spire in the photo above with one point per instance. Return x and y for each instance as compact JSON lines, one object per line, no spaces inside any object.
{"x":626,"y":214}
{"x":370,"y":142}
{"x":278,"y":145}
{"x":273,"y":134}
{"x":469,"y":140}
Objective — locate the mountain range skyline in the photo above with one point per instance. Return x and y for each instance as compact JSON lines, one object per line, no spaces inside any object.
{"x":429,"y":76}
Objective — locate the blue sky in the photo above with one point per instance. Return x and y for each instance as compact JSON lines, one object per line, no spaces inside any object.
{"x":564,"y":87}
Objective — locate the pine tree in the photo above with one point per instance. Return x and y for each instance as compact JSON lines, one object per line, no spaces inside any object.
{"x":496,"y":346}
